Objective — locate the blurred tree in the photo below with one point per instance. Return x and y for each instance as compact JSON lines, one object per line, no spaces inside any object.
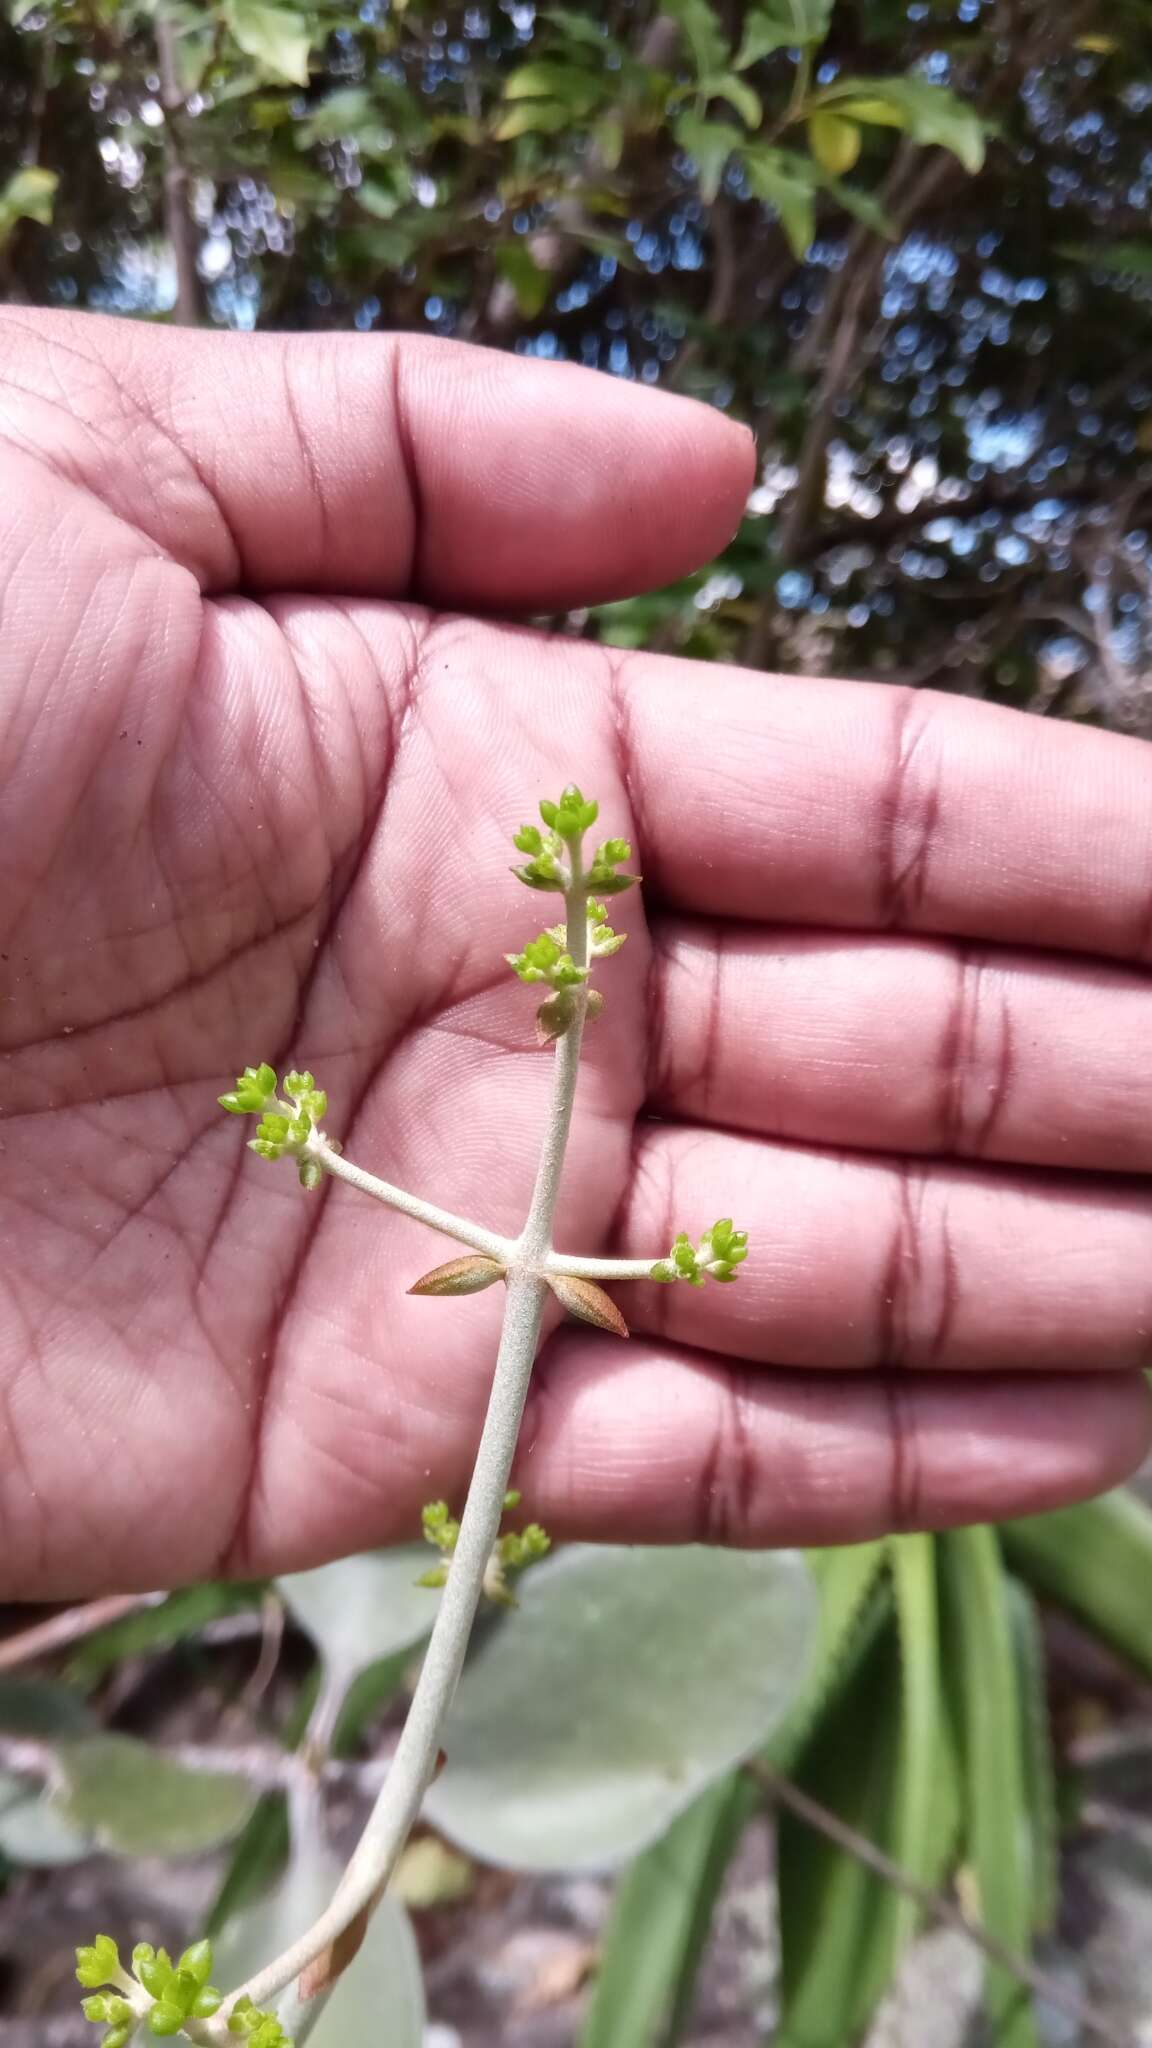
{"x":908,"y":239}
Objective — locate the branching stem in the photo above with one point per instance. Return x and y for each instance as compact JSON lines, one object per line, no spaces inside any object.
{"x":418,"y":1751}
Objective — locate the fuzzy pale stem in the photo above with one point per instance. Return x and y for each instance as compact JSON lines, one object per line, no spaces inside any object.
{"x":418,"y":1751}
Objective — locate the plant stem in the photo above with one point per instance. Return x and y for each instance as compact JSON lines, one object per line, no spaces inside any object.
{"x":418,"y":1752}
{"x":602,"y":1269}
{"x":474,"y":1234}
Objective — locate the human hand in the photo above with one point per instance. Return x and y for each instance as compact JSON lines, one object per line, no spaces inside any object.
{"x":257,"y":782}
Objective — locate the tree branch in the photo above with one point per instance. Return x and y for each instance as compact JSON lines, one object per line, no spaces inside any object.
{"x":997,"y":496}
{"x":190,"y":308}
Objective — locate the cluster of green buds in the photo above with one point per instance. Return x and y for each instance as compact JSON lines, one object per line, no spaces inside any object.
{"x":716,"y":1257}
{"x":547,"y":959}
{"x":566,"y":823}
{"x":512,"y":1552}
{"x":259,"y":2029}
{"x":162,"y":1994}
{"x":287,"y":1124}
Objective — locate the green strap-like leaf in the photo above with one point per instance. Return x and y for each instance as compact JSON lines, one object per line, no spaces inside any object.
{"x":1036,"y":1757}
{"x":851,"y":1612}
{"x":1096,"y":1562}
{"x":921,"y":1828}
{"x":882,"y":1758}
{"x":660,"y":1921}
{"x":982,"y":1673}
{"x":838,"y":1921}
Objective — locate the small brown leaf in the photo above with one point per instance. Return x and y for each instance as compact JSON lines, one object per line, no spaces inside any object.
{"x":332,"y":1961}
{"x":460,"y":1276}
{"x":555,"y":1015}
{"x":589,"y":1303}
{"x":595,"y":1004}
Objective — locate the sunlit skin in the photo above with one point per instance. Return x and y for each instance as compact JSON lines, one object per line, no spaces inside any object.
{"x":263,"y":745}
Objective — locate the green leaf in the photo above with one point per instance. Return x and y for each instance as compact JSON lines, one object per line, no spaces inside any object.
{"x":42,"y":1709}
{"x":533,"y":117}
{"x":1095,"y":1561}
{"x":1127,"y":259}
{"x":276,"y":38}
{"x":380,"y":1997}
{"x":838,"y":1921}
{"x":29,"y":194}
{"x":578,"y":28}
{"x":834,"y":141}
{"x":661,"y":1918}
{"x":738,"y":94}
{"x":703,"y":33}
{"x":785,"y":25}
{"x":848,"y":1581}
{"x":1037,"y":1767}
{"x":576,"y":89}
{"x":918,"y":1818}
{"x":928,"y":113}
{"x":863,"y":207}
{"x":787,"y":182}
{"x":140,"y":1803}
{"x":709,"y":144}
{"x":881,"y":1757}
{"x":178,"y":1619}
{"x":33,"y":1830}
{"x":531,"y":284}
{"x":982,"y":1671}
{"x":362,"y":1609}
{"x":258,"y":1856}
{"x":627,"y":1681}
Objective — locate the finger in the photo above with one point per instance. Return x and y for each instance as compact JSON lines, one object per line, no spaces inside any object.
{"x":670,"y":1446}
{"x":882,"y":1263}
{"x":902,"y":1045}
{"x":393,"y":465}
{"x":851,"y":804}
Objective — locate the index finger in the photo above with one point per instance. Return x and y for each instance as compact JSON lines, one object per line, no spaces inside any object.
{"x":379,"y":465}
{"x":877,"y":808}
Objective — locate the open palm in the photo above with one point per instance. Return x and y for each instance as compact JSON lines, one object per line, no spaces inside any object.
{"x":257,"y":789}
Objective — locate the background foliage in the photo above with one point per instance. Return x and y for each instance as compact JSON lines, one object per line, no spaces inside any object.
{"x":909,"y":242}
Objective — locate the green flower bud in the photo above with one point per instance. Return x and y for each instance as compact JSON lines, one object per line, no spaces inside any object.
{"x":96,"y":2007}
{"x":119,"y":2036}
{"x":716,"y":1257}
{"x":441,"y":1529}
{"x":166,"y":2019}
{"x":207,"y":2002}
{"x":153,"y":1968}
{"x":528,"y":840}
{"x":254,"y":1087}
{"x":99,"y":1963}
{"x":543,"y":873}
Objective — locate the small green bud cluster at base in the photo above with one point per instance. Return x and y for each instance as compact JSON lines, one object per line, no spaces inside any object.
{"x":716,"y":1257}
{"x":285,"y":1126}
{"x":254,"y":1090}
{"x":121,"y":2018}
{"x":512,"y":1552}
{"x":607,"y":858}
{"x":259,"y":2029}
{"x":161,"y":1994}
{"x":545,"y":959}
